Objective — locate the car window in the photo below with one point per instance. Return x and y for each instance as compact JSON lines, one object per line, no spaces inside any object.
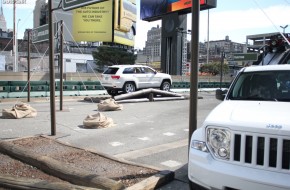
{"x":128,"y":70}
{"x":274,"y":85}
{"x":111,"y":70}
{"x":138,"y":70}
{"x":147,"y":70}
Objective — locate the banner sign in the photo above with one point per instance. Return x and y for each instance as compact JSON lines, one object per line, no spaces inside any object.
{"x":73,"y":4}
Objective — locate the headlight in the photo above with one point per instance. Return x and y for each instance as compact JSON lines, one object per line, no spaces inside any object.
{"x":219,"y":141}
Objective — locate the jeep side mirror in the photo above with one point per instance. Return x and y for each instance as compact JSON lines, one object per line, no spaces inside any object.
{"x":220,"y":94}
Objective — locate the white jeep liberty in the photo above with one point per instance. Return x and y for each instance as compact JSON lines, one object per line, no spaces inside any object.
{"x":244,"y":143}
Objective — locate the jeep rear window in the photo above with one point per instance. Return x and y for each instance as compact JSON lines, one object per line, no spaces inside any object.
{"x":111,"y":70}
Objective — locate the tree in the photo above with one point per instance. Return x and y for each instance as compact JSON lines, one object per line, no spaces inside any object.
{"x":105,"y":55}
{"x":214,"y":68}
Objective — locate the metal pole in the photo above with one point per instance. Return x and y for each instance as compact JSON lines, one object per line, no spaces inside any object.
{"x":61,"y":65}
{"x":195,"y":9}
{"x":16,"y":47}
{"x":207,"y":51}
{"x":28,"y":66}
{"x":51,"y":69}
{"x":221,"y":72}
{"x":14,"y":35}
{"x":181,"y":65}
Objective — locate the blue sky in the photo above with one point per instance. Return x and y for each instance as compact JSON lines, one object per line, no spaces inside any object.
{"x":235,"y":18}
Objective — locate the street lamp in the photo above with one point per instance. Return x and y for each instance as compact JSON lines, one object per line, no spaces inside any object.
{"x":284,"y":27}
{"x":16,"y":47}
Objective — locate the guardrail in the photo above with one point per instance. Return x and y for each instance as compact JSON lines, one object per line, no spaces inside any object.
{"x":201,"y":85}
{"x":18,"y":89}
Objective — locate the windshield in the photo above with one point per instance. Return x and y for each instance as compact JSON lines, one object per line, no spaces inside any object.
{"x":267,"y":86}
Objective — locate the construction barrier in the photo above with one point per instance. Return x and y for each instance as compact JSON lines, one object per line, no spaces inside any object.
{"x":18,"y":89}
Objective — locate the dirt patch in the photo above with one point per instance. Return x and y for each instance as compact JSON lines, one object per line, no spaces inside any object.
{"x":127,"y":174}
{"x":16,"y":168}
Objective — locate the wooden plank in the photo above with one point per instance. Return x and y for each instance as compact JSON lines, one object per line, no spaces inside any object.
{"x":153,"y":182}
{"x":35,"y":184}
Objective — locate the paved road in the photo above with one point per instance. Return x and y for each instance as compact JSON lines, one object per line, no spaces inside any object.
{"x":151,"y":133}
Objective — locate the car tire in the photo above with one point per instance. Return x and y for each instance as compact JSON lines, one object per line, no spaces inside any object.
{"x":129,"y":87}
{"x":165,"y":86}
{"x":193,"y":186}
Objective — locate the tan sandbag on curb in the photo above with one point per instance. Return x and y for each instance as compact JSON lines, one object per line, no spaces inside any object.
{"x":98,"y":120}
{"x":109,"y":105}
{"x":18,"y":111}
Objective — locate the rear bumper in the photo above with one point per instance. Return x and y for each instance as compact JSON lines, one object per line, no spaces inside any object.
{"x":113,"y":86}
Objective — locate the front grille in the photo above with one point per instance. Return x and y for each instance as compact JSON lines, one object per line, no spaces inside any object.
{"x":261,"y":150}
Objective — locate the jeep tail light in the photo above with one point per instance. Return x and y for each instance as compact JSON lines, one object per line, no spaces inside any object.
{"x":115,"y":77}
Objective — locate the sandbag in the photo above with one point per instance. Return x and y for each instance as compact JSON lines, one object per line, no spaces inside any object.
{"x":98,"y":120}
{"x":18,"y":111}
{"x":109,"y":105}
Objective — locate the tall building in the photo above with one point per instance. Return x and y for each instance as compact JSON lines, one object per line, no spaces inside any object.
{"x":153,"y":44}
{"x":39,"y":17}
{"x":5,"y":35}
{"x":3,"y":25}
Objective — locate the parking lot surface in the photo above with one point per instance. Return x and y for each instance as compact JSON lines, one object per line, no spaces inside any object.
{"x":150,"y":133}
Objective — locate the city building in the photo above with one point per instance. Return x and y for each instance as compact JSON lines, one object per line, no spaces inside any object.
{"x":3,"y":24}
{"x":39,"y":13}
{"x":227,"y":46}
{"x":152,"y":49}
{"x":5,"y":35}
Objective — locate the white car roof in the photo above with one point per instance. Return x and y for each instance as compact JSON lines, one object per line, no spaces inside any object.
{"x":128,"y":66}
{"x":267,"y":68}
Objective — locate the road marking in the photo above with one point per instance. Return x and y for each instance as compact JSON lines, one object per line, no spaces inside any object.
{"x":116,"y":143}
{"x":168,"y":134}
{"x":152,"y":150}
{"x":186,"y":130}
{"x":7,"y":130}
{"x":79,"y":129}
{"x":129,"y":123}
{"x":144,"y":138}
{"x":171,"y":163}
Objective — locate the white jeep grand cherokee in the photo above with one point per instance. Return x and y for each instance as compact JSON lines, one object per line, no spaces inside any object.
{"x":129,"y":78}
{"x":244,"y":143}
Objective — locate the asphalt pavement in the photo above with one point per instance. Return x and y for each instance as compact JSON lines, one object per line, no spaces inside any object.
{"x":149,"y":133}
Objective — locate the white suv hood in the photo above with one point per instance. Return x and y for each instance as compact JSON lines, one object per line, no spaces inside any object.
{"x":254,"y":115}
